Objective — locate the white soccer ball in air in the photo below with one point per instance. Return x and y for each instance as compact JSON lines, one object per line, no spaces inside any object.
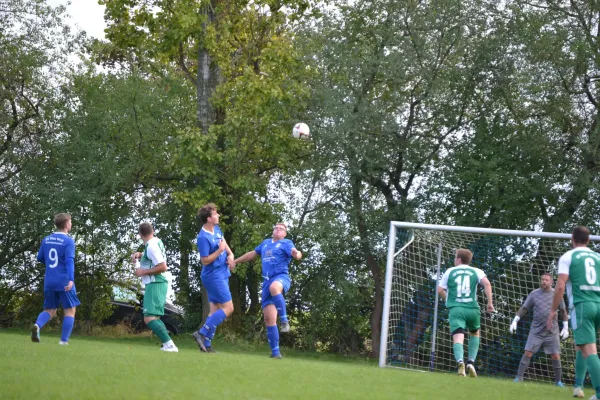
{"x":301,"y":131}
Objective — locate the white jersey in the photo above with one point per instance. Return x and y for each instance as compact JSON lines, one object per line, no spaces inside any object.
{"x":154,"y":254}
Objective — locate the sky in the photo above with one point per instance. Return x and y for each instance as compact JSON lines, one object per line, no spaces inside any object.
{"x":87,"y":15}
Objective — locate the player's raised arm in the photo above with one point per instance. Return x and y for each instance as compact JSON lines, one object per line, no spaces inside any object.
{"x":249,"y":256}
{"x":297,"y":254}
{"x":230,"y":256}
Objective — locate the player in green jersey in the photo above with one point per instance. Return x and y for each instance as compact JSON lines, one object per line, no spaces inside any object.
{"x":458,"y":287}
{"x":152,"y":268}
{"x":578,"y":271}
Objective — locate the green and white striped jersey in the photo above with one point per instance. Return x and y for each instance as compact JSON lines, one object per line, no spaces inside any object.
{"x":461,"y":284}
{"x":154,"y":254}
{"x":583,"y":267}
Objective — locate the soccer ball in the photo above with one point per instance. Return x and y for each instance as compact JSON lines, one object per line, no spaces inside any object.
{"x":301,"y":131}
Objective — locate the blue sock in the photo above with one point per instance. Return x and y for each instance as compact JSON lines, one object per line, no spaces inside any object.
{"x":208,"y":341}
{"x":43,"y":318}
{"x":273,"y":337}
{"x":213,"y":320}
{"x":67,"y":328}
{"x":279,"y":303}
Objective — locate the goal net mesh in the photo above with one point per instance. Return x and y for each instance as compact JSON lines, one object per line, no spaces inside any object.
{"x":513,"y":264}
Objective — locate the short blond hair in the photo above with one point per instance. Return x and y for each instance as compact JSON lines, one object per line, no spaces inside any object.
{"x":465,"y":255}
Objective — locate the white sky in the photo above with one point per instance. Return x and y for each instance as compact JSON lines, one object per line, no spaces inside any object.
{"x":87,"y":15}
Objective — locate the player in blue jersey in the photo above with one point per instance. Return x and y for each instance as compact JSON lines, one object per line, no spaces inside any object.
{"x":276,"y":254}
{"x":217,"y":259}
{"x":57,"y":252}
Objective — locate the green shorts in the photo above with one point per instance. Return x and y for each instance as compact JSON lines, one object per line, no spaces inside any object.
{"x":585,"y":321}
{"x":465,"y":318}
{"x":155,"y":298}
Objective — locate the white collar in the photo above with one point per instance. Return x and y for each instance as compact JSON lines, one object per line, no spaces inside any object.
{"x":212,"y":233}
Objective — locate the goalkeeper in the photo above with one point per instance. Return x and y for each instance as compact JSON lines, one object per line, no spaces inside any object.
{"x":540,"y":337}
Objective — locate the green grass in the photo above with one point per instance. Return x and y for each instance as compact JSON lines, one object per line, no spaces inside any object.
{"x":135,"y":368}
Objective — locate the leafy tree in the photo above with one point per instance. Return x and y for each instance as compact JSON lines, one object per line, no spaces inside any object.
{"x":395,"y":85}
{"x":35,"y":45}
{"x":531,"y":158}
{"x":239,"y":59}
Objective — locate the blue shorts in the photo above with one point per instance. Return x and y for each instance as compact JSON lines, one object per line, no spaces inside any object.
{"x":266,"y":292}
{"x":55,"y":298}
{"x":218,"y":290}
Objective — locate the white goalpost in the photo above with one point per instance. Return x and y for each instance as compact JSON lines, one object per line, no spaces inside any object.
{"x":415,"y":331}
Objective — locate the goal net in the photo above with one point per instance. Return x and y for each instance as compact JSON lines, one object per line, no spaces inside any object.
{"x":415,"y":329}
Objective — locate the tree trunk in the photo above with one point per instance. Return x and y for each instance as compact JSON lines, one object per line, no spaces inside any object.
{"x":235,"y":288}
{"x":206,"y":85}
{"x":183,"y":279}
{"x":207,"y":79}
{"x":253,"y":284}
{"x":205,"y":305}
{"x":371,"y":263}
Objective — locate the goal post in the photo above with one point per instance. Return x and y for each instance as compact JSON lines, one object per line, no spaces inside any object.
{"x":415,"y":332}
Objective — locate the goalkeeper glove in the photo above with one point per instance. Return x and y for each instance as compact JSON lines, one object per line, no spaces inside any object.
{"x":564,"y":333}
{"x":513,"y":326}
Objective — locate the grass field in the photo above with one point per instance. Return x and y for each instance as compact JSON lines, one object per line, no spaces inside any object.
{"x":135,"y":368}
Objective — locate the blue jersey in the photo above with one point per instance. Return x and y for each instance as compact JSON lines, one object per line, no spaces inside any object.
{"x":57,"y":252}
{"x":208,"y":243}
{"x":276,"y":257}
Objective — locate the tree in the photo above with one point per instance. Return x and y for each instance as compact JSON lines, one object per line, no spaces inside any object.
{"x":35,"y":45}
{"x":395,"y":85}
{"x":240,"y":62}
{"x":533,"y":150}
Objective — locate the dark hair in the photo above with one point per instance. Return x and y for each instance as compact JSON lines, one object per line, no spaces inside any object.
{"x":547,"y":274}
{"x":581,"y":235}
{"x":206,"y":211}
{"x":60,"y":220}
{"x":465,"y":255}
{"x":145,"y":229}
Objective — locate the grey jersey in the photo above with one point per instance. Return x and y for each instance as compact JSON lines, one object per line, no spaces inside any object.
{"x":540,"y":301}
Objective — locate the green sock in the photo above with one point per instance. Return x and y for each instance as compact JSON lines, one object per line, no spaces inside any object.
{"x":159,"y":330}
{"x":473,"y":347}
{"x":580,"y":369}
{"x":459,"y":351}
{"x":593,"y":365}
